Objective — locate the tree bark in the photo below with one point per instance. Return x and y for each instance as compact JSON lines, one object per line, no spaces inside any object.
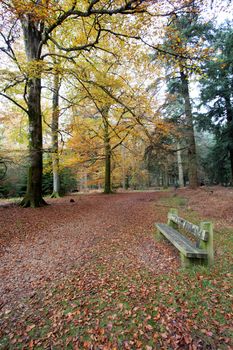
{"x":54,"y":127}
{"x":180,"y":166}
{"x":107,"y":149}
{"x":32,"y":39}
{"x":165,"y":176}
{"x":229,"y":111}
{"x":123,"y":166}
{"x":107,"y":180}
{"x":192,"y":157}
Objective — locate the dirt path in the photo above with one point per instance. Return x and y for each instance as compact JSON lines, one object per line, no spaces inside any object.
{"x":41,"y":245}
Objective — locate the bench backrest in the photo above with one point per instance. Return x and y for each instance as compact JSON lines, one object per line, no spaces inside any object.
{"x":189,"y":227}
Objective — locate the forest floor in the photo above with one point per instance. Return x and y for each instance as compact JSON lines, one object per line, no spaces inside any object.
{"x":90,"y":275}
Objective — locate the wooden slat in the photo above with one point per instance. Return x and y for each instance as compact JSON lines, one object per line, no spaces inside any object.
{"x":189,"y":227}
{"x":183,"y":244}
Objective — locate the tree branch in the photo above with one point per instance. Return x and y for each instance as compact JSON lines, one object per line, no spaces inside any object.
{"x":15,"y":102}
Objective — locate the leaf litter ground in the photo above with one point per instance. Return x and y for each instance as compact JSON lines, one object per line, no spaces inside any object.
{"x":90,"y":275}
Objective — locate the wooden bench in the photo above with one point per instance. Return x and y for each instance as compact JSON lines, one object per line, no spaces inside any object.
{"x":192,"y":253}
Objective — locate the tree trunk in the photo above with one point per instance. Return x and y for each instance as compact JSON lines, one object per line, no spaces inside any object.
{"x":32,"y":39}
{"x":107,"y":149}
{"x":107,"y":180}
{"x":229,"y":111}
{"x":192,"y":158}
{"x":123,"y":166}
{"x":231,"y":160}
{"x":86,"y":189}
{"x":54,"y":127}
{"x":165,"y":177}
{"x":180,"y":166}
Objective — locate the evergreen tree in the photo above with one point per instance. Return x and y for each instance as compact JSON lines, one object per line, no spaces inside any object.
{"x":182,"y":50}
{"x":217,"y":95}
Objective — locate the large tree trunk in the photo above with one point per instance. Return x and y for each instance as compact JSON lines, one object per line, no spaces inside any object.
{"x":32,"y":39}
{"x":107,"y":149}
{"x":107,"y":180}
{"x":180,"y":166}
{"x":229,"y":111}
{"x":54,"y":127}
{"x":192,"y":157}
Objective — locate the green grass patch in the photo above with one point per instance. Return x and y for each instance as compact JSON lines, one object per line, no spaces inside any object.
{"x":175,"y":201}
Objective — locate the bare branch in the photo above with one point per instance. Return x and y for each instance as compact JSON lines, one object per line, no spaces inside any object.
{"x":15,"y":102}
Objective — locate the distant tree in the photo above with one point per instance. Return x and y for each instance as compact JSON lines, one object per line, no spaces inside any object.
{"x":54,"y":131}
{"x":217,"y":95}
{"x":183,"y":50}
{"x":110,"y":110}
{"x":3,"y":168}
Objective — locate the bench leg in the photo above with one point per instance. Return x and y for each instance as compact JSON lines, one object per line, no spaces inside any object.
{"x":209,"y":245}
{"x":190,"y":262}
{"x":185,"y":262}
{"x":159,"y":235}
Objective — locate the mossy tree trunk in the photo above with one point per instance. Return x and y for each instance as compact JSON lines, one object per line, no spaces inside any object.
{"x":192,"y":157}
{"x":32,"y":39}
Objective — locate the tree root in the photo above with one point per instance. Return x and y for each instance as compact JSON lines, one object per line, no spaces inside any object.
{"x":29,"y":202}
{"x":55,"y":195}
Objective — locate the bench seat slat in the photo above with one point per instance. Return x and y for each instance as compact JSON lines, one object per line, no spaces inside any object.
{"x":183,"y":244}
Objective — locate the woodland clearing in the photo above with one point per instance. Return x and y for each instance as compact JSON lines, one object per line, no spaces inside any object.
{"x":90,"y":275}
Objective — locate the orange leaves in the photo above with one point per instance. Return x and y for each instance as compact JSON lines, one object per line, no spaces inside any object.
{"x":30,"y":327}
{"x":37,"y":11}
